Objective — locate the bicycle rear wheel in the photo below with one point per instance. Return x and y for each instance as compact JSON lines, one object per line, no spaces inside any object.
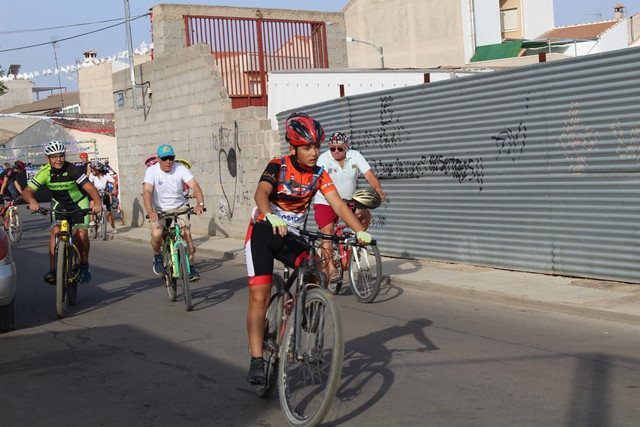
{"x":365,"y":272}
{"x":334,"y":287}
{"x":308,"y":378}
{"x":184,"y":275}
{"x":61,"y":279}
{"x":14,"y":225}
{"x":169,"y":281}
{"x":271,"y":339}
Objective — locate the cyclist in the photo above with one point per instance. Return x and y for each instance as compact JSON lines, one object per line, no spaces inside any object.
{"x":70,"y":190}
{"x":282,"y":198}
{"x":162,"y":191}
{"x":84,"y":163}
{"x":344,"y":167}
{"x":10,"y":180}
{"x":101,"y":178}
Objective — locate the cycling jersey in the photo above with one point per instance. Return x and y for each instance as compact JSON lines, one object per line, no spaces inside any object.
{"x":65,"y":183}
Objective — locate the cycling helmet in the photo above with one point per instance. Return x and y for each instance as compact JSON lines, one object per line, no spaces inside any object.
{"x":54,"y":147}
{"x":19,"y":164}
{"x":184,"y":162}
{"x":366,"y":198}
{"x":338,"y":138}
{"x":303,"y":130}
{"x":151,"y":160}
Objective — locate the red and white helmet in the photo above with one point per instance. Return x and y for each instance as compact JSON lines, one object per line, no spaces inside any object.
{"x":303,"y":130}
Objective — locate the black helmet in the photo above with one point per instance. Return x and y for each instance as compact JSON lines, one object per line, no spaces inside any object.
{"x":366,"y":198}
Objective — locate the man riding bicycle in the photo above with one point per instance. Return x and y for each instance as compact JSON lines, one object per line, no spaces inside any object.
{"x":344,"y":166}
{"x":162,"y":190}
{"x":70,"y":190}
{"x":282,"y":198}
{"x":10,"y":180}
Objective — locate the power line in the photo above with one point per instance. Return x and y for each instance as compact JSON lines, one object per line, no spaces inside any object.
{"x":63,"y":26}
{"x":71,"y":37}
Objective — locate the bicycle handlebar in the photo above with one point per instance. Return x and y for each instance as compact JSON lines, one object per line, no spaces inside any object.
{"x":315,"y":235}
{"x":62,"y":214}
{"x":188,"y":210}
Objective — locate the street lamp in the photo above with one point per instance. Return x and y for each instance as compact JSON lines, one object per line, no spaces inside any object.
{"x":378,"y":48}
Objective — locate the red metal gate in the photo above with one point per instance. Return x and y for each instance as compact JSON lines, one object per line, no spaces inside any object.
{"x":246,"y":49}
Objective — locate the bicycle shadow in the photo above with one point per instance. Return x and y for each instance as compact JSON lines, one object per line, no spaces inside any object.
{"x":366,"y":364}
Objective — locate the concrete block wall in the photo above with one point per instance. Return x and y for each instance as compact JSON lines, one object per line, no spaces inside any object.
{"x":189,"y":109}
{"x":169,"y":32}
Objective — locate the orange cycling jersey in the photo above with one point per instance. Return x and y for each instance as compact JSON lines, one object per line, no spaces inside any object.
{"x":294,"y":185}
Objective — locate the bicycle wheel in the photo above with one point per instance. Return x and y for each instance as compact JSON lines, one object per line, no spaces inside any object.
{"x":72,"y":281}
{"x":271,"y":342}
{"x":14,"y":225}
{"x":334,"y":287}
{"x":103,"y":225}
{"x":308,"y":380}
{"x":61,"y":279}
{"x":365,"y":272}
{"x":169,"y":281}
{"x":183,"y":259}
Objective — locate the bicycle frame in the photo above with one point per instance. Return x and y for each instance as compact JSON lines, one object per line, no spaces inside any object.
{"x":172,"y":240}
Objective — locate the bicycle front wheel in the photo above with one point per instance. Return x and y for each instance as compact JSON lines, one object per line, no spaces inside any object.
{"x":169,"y":281}
{"x":74,"y":276}
{"x":61,"y":279}
{"x":310,"y":369}
{"x":334,"y":287}
{"x":103,"y":225}
{"x":271,"y":339}
{"x":183,"y":259}
{"x":15,"y":225}
{"x":365,"y":272}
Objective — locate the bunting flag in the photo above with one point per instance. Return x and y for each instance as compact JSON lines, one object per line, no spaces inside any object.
{"x":29,"y":152}
{"x":143,"y":49}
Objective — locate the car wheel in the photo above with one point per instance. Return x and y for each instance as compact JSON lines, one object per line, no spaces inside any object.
{"x":8,"y":316}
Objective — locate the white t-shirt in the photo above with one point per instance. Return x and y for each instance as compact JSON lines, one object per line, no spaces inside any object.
{"x":101,"y":183}
{"x":345,"y":178}
{"x":167,"y":187}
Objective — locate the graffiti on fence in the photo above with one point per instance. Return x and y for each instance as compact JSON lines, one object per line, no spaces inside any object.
{"x":389,"y":134}
{"x":628,"y":143}
{"x":578,"y":140}
{"x":511,"y":142}
{"x":471,"y":170}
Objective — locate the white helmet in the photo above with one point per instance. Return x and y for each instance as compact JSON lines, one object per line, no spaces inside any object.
{"x":54,"y":147}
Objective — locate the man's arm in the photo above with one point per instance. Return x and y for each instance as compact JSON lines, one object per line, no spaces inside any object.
{"x":28,"y":196}
{"x":147,"y":191}
{"x":95,"y":196}
{"x":373,"y":180}
{"x":197,"y":193}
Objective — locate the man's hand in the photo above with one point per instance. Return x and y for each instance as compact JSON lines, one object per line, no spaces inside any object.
{"x":153,"y":216}
{"x":363,"y":237}
{"x":34,"y":206}
{"x":278,"y":224}
{"x":198,"y":209}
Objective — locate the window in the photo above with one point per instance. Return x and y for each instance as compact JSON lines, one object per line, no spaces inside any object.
{"x":509,"y":20}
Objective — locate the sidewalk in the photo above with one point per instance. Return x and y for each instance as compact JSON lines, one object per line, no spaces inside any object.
{"x":585,"y":297}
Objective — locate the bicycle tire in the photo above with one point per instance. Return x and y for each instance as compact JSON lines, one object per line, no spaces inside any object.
{"x":103,"y":225}
{"x":61,"y":279}
{"x":271,"y":339}
{"x":308,"y":386}
{"x":365,"y":272}
{"x":334,"y":287}
{"x":15,"y":225}
{"x":169,"y":281}
{"x":72,"y":281}
{"x":183,"y":259}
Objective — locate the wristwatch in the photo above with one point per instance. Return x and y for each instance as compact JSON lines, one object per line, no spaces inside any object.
{"x":201,"y":204}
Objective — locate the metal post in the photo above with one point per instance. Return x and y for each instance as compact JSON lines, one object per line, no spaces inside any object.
{"x":130,"y":45}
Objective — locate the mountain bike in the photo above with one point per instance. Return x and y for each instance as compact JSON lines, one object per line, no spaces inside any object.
{"x":11,"y":219}
{"x":303,"y":343}
{"x":362,"y":262}
{"x":175,"y":256}
{"x":99,"y":228}
{"x":67,"y":259}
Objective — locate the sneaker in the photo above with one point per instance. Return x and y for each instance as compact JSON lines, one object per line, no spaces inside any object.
{"x":92,"y":223}
{"x":194,"y":276}
{"x":158,"y":267}
{"x":85,"y":273}
{"x":114,"y":231}
{"x":256,"y":371}
{"x":50,"y":277}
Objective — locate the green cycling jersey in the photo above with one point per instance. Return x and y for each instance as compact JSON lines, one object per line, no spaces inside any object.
{"x":65,"y":183}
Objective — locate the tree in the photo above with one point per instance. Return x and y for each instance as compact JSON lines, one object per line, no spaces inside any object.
{"x":3,"y":88}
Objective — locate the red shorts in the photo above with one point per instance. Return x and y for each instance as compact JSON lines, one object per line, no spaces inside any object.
{"x":324,"y":215}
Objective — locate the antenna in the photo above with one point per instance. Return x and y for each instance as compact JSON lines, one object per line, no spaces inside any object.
{"x":598,"y":13}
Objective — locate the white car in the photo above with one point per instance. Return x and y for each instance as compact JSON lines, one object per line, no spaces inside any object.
{"x":7,"y":285}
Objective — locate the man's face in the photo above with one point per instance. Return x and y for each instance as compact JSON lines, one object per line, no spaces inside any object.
{"x":84,"y":159}
{"x":338,"y":151}
{"x":56,"y":160}
{"x":166,"y":163}
{"x":307,"y":155}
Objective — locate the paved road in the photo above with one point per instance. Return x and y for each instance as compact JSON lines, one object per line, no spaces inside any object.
{"x":127,"y":356}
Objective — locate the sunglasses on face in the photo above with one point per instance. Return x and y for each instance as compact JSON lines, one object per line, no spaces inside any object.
{"x":340,"y":149}
{"x":164,"y":159}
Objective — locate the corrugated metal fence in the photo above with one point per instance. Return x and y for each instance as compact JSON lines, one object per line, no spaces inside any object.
{"x":535,"y":168}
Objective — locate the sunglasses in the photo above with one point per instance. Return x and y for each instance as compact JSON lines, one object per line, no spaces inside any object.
{"x":340,"y":149}
{"x":164,"y":159}
{"x":56,"y":156}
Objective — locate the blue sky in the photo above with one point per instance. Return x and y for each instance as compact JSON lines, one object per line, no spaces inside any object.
{"x":30,"y":22}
